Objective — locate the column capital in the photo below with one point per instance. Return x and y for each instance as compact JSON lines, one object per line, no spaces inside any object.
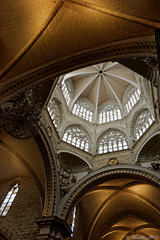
{"x":53,"y":228}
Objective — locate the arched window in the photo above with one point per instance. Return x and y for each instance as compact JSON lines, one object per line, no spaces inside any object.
{"x":54,"y":112}
{"x":109,"y":113}
{"x":73,"y":220}
{"x":112,"y":141}
{"x":144,"y":121}
{"x":133,"y":96}
{"x":83,"y":110}
{"x":66,"y":89}
{"x":76,"y":137}
{"x":7,"y":202}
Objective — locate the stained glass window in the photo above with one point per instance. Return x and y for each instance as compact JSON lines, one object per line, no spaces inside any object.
{"x":76,"y":137}
{"x":144,"y":121}
{"x":109,"y":113}
{"x":54,"y":112}
{"x":83,"y":110}
{"x":7,"y":202}
{"x":112,"y":141}
{"x":66,"y":89}
{"x":133,"y":96}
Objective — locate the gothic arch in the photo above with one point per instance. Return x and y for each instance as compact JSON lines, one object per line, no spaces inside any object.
{"x":113,"y":139}
{"x":101,"y":175}
{"x":76,"y":154}
{"x":136,"y":114}
{"x":86,"y":136}
{"x":143,"y":144}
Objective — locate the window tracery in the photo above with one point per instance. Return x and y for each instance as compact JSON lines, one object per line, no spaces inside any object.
{"x":112,"y":141}
{"x":7,"y":202}
{"x":67,"y":90}
{"x":144,"y":121}
{"x":132,"y":98}
{"x":54,"y":112}
{"x":76,"y":137}
{"x":109,"y":113}
{"x":83,"y":110}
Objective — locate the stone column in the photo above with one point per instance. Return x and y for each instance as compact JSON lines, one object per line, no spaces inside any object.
{"x":53,"y":228}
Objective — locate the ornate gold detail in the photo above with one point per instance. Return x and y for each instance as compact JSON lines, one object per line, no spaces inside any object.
{"x":51,"y":179}
{"x":113,"y":161}
{"x":49,"y":131}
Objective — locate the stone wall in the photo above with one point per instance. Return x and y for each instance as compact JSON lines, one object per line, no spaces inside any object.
{"x":19,"y":223}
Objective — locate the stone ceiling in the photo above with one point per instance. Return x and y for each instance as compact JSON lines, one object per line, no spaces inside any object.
{"x":64,"y":35}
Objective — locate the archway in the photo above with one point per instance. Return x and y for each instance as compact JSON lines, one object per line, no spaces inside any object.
{"x":120,"y":202}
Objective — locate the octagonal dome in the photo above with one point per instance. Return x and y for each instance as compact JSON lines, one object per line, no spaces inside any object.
{"x":95,"y":87}
{"x":95,"y":108}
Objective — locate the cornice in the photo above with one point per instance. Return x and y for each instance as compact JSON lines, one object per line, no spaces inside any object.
{"x":138,"y":47}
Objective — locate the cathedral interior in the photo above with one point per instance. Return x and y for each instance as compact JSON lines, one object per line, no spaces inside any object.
{"x":79,"y":119}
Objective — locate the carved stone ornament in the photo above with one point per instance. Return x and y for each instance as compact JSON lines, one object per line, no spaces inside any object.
{"x":64,"y":181}
{"x":53,"y":228}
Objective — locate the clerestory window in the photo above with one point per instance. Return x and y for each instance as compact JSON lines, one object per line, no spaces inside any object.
{"x":66,"y":89}
{"x":54,"y":112}
{"x":83,"y":110}
{"x":112,"y":141}
{"x":133,"y":96}
{"x":76,"y":137}
{"x":144,"y":121}
{"x":109,"y":113}
{"x":7,"y":202}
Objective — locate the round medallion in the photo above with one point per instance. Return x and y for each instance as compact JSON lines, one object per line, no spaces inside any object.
{"x":113,"y":162}
{"x":49,"y":131}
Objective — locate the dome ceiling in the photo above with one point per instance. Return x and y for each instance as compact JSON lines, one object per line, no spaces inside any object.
{"x":101,"y":83}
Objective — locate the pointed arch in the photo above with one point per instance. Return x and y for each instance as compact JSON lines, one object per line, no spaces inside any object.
{"x":77,"y":136}
{"x":112,"y":140}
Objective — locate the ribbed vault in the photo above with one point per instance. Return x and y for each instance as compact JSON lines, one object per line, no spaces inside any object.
{"x":120,"y":209}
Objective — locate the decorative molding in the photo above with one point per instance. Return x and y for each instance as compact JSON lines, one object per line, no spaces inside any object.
{"x":49,"y":163}
{"x":53,"y":228}
{"x":101,"y":175}
{"x":134,"y":48}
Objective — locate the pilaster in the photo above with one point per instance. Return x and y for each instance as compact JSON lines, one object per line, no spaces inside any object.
{"x":53,"y":228}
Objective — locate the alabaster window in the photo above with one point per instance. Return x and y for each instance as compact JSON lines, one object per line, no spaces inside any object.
{"x":133,"y":96}
{"x":73,"y":221}
{"x":144,"y":121}
{"x":54,"y":112}
{"x":76,"y":137}
{"x":83,"y":110}
{"x":66,"y":89}
{"x":7,"y":202}
{"x":109,"y":113}
{"x":112,"y":141}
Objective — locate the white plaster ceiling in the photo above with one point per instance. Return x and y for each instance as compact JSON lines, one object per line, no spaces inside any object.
{"x":102,"y":83}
